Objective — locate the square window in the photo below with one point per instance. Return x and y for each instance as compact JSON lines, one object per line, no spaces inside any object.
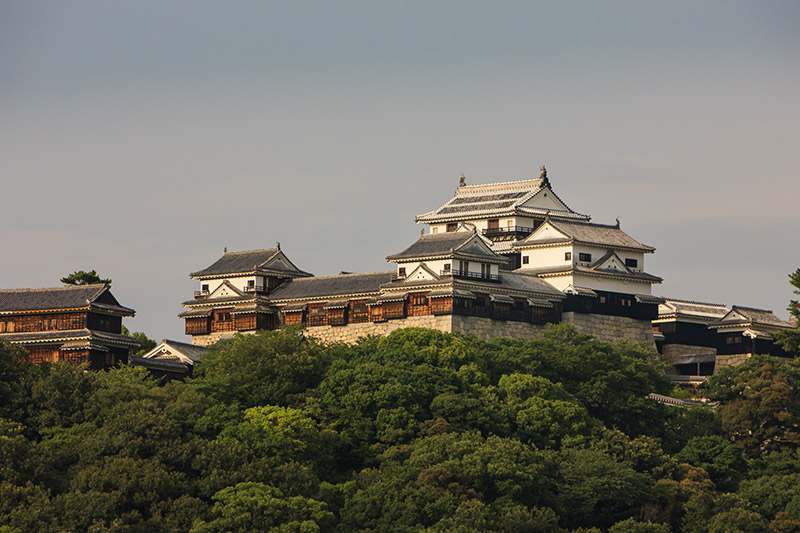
{"x":525,"y":259}
{"x":568,"y":256}
{"x":632,"y":263}
{"x":586,"y":258}
{"x":401,"y":271}
{"x":447,"y":267}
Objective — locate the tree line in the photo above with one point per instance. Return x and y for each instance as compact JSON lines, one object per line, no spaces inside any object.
{"x":417,"y":431}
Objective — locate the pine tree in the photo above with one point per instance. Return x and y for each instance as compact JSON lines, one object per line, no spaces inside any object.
{"x":790,"y":338}
{"x":79,"y":277}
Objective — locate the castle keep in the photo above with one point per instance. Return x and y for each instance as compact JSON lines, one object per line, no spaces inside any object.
{"x":498,"y":260}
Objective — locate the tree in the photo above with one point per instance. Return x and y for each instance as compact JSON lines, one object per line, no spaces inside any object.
{"x":80,"y":277}
{"x":267,"y":368}
{"x":260,"y":507}
{"x":760,"y":403}
{"x":145,"y":343}
{"x":790,"y":338}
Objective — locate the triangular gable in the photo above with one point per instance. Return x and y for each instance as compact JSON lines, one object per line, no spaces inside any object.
{"x":165,"y":351}
{"x":225,"y":290}
{"x":279,"y":261}
{"x":734,"y":316}
{"x":545,"y":232}
{"x":421,"y":273}
{"x":104,"y":296}
{"x":475,"y":246}
{"x":611,"y":261}
{"x":544,"y":198}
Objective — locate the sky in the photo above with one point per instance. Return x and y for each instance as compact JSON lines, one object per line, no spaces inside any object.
{"x":142,"y":138}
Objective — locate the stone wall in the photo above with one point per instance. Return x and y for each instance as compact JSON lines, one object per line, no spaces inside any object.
{"x":603,"y":328}
{"x":730,"y":360}
{"x":611,"y":328}
{"x":483,"y":328}
{"x":486,"y":328}
{"x":211,"y":338}
{"x":670,"y":352}
{"x":352,"y":332}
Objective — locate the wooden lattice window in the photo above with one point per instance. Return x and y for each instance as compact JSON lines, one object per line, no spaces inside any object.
{"x":442,"y":306}
{"x":359,"y":312}
{"x":293,"y":318}
{"x":418,"y":304}
{"x":316,"y":315}
{"x":394,"y":309}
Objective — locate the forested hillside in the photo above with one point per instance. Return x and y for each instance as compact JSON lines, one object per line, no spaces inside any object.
{"x":417,"y":431}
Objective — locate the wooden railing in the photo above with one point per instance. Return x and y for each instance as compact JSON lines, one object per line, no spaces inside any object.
{"x":508,"y":230}
{"x":472,"y":275}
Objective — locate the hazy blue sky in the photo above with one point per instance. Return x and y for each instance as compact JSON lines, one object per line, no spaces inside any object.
{"x":140,"y":138}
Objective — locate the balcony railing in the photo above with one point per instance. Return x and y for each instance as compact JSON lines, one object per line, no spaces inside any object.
{"x":508,"y":231}
{"x":255,"y":288}
{"x":198,"y":294}
{"x":468,"y":274}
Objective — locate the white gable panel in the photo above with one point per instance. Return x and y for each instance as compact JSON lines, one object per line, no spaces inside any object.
{"x":223,"y":291}
{"x":545,"y":199}
{"x":545,"y":232}
{"x":613,"y":262}
{"x":421,"y":273}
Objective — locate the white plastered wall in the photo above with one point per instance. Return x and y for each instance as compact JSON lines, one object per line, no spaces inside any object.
{"x":238,"y":282}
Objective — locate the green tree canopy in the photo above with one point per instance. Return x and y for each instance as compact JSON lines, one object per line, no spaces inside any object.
{"x":790,"y":339}
{"x":81,"y":277}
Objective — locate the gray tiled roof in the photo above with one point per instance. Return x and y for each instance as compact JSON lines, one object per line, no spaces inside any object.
{"x":158,"y":363}
{"x":72,"y":334}
{"x":69,"y":297}
{"x":494,"y":199}
{"x":520,"y":281}
{"x":580,"y":269}
{"x":325,"y":286}
{"x":689,"y":308}
{"x":243,"y":262}
{"x":590,"y":233}
{"x":439,"y":244}
{"x":763,"y":317}
{"x":190,"y":351}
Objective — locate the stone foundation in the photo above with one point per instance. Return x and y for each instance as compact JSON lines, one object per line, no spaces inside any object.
{"x":602,"y":328}
{"x":211,"y":338}
{"x":352,"y":332}
{"x":483,"y":328}
{"x":730,"y":360}
{"x":486,"y":328}
{"x":611,"y":328}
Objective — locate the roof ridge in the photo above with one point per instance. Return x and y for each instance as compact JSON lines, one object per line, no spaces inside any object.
{"x":68,"y":287}
{"x":447,"y":234}
{"x":743,"y":307}
{"x":500,"y":183}
{"x":585,"y":223}
{"x":351,"y":274}
{"x":668,"y":299}
{"x":273,"y":249}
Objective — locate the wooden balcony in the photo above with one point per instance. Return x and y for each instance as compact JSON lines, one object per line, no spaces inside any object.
{"x":508,"y":233}
{"x":256,"y":288}
{"x":470,"y":275}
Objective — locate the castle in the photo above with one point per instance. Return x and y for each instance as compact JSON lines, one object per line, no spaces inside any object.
{"x":498,"y":260}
